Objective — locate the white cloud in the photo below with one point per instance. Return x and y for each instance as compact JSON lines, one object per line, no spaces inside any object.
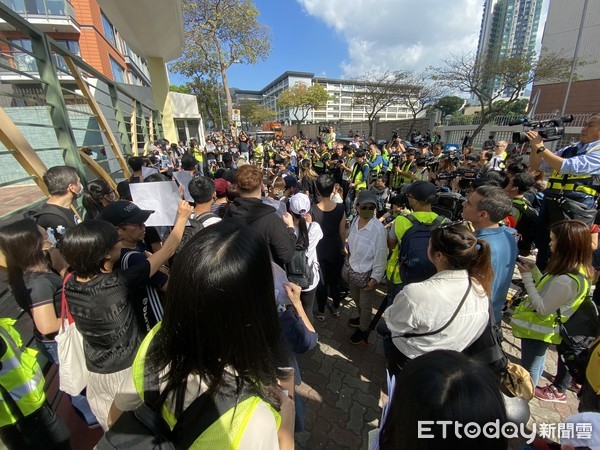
{"x":399,"y":34}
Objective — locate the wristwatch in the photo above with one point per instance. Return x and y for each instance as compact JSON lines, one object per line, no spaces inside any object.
{"x":541,"y":150}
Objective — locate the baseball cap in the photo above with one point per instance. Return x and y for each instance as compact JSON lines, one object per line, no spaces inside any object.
{"x":299,"y":203}
{"x":290,"y":181}
{"x":422,"y":191}
{"x":365,"y":197}
{"x":221,"y":186}
{"x":121,"y":212}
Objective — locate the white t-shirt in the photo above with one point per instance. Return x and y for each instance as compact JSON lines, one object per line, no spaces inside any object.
{"x":315,"y":234}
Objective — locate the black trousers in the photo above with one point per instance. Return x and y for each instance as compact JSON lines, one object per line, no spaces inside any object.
{"x":331,"y":268}
{"x":42,"y":429}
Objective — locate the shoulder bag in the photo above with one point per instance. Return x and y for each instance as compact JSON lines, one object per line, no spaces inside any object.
{"x":72,"y":368}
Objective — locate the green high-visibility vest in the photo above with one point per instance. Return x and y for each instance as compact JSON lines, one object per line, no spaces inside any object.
{"x":226,"y":432}
{"x":527,"y":323}
{"x":20,"y":375}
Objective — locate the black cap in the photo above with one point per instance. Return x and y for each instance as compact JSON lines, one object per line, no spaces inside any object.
{"x":121,"y":212}
{"x":423,"y":191}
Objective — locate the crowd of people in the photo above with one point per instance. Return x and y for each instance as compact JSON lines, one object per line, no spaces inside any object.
{"x":270,"y":237}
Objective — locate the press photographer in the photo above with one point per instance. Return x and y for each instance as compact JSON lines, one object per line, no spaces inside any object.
{"x":571,"y":191}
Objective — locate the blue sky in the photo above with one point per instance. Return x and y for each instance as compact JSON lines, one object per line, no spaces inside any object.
{"x":299,"y":42}
{"x":347,"y":38}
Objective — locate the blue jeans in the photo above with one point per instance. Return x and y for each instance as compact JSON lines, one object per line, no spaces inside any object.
{"x":79,"y":402}
{"x":533,"y":357}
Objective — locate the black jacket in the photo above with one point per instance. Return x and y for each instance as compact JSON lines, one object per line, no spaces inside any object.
{"x":262,"y":218}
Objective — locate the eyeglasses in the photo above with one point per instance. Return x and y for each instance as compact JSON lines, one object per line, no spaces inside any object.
{"x":366,"y":208}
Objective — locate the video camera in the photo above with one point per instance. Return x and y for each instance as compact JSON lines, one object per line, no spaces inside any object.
{"x":395,"y":161}
{"x":550,"y":130}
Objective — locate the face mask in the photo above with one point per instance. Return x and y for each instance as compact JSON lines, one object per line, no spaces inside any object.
{"x":365,"y":214}
{"x":78,"y":194}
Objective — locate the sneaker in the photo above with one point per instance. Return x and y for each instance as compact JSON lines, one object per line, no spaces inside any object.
{"x":354,"y":323}
{"x":360,"y":337}
{"x":549,"y":393}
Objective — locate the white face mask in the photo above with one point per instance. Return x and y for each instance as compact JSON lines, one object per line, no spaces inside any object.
{"x":78,"y":194}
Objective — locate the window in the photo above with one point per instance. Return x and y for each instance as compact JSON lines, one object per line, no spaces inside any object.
{"x":109,"y":30}
{"x":20,"y":60}
{"x":70,"y":46}
{"x":117,"y":71}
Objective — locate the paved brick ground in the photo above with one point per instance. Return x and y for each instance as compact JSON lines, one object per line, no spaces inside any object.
{"x":343,"y":387}
{"x":15,"y":197}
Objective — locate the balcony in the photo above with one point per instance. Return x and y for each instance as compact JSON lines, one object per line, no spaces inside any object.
{"x":50,"y":16}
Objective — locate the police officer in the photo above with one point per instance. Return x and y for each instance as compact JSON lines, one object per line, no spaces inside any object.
{"x":572,"y":178}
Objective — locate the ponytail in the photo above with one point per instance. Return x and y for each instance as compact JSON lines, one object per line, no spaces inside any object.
{"x":481,"y":269}
{"x":302,"y":231}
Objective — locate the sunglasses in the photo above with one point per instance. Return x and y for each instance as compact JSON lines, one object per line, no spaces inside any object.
{"x":366,"y":208}
{"x":466,"y":223}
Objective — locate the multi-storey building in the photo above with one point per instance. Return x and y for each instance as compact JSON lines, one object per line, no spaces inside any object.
{"x":342,"y":106}
{"x":508,"y":28}
{"x":565,"y":23}
{"x":113,"y":37}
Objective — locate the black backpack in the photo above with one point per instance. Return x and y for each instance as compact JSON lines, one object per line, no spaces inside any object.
{"x":298,"y":270}
{"x":144,"y":428}
{"x":196,"y":225}
{"x":527,"y":227}
{"x":412,"y":255}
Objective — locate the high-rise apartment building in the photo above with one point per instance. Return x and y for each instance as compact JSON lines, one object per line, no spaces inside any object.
{"x":508,"y":28}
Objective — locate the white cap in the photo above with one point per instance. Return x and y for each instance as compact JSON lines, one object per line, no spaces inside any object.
{"x":299,"y":203}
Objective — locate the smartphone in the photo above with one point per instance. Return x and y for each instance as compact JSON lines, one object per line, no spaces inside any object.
{"x":285,"y":378}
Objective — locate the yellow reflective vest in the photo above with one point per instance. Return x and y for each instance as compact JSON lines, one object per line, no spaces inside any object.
{"x":527,"y":323}
{"x":357,"y":176}
{"x":578,"y":183}
{"x":20,"y":375}
{"x":226,"y":432}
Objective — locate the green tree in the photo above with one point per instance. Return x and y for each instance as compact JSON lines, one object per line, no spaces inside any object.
{"x":517,"y":108}
{"x":182,"y":89}
{"x":219,"y":33}
{"x":511,"y":75}
{"x":254,"y":113}
{"x":378,"y":91}
{"x":206,"y":91}
{"x":302,"y":99}
{"x":449,"y":105}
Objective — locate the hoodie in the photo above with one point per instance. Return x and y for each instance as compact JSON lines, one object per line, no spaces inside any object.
{"x":263,"y":219}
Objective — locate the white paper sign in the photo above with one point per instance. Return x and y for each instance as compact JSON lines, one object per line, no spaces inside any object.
{"x":162,"y":197}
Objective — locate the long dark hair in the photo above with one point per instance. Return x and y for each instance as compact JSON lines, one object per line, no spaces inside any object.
{"x":573,"y":249}
{"x":86,"y":246}
{"x":464,"y":252}
{"x":442,"y":385}
{"x":92,"y":197}
{"x":220,"y":312}
{"x":21,"y":243}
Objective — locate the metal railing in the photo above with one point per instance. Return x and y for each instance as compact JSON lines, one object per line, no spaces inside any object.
{"x":41,"y":96}
{"x":37,"y":8}
{"x":504,"y":120}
